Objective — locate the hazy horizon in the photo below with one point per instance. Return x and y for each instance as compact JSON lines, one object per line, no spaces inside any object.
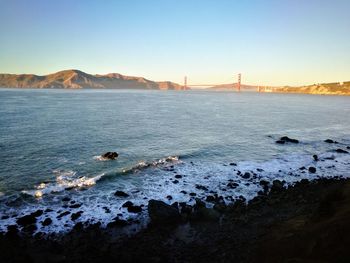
{"x":273,"y":43}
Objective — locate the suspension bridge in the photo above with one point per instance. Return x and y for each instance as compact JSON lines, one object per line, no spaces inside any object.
{"x":235,"y":86}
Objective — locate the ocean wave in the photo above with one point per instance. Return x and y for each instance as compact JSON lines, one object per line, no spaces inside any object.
{"x":65,"y":180}
{"x":163,"y":162}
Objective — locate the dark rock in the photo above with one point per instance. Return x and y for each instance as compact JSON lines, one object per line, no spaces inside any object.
{"x":287,"y":139}
{"x":302,"y":168}
{"x":46,"y":222}
{"x":280,"y":142}
{"x":75,"y":206}
{"x":161,"y":213}
{"x":312,"y":170}
{"x":37,"y":213}
{"x":277,"y":186}
{"x":169,"y":197}
{"x":121,"y":194}
{"x":117,"y":223}
{"x":134,"y":209}
{"x":128,"y":204}
{"x":65,"y":199}
{"x":233,"y":164}
{"x":63,"y":214}
{"x":330,"y":141}
{"x":341,"y":151}
{"x":183,"y":192}
{"x":201,"y":187}
{"x":175,"y":182}
{"x":315,"y":157}
{"x":26,"y":220}
{"x":193,"y":194}
{"x":246,"y":175}
{"x":199,"y":204}
{"x":260,"y":170}
{"x":76,"y":215}
{"x":110,"y":155}
{"x":178,"y":176}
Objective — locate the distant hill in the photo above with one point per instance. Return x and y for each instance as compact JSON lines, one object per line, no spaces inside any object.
{"x":335,"y":88}
{"x":76,"y":79}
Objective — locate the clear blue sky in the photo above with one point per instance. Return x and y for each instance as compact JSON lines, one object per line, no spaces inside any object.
{"x":271,"y":42}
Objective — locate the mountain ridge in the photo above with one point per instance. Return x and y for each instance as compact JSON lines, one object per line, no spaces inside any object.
{"x":76,"y":79}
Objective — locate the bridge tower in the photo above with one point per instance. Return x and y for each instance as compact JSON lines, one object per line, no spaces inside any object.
{"x":239,"y":82}
{"x":185,"y":83}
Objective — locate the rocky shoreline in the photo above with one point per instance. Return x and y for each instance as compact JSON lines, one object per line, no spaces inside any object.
{"x":304,"y":223}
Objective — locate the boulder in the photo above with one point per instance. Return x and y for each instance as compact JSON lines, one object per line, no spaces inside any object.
{"x":280,"y":142}
{"x":134,"y":209}
{"x":26,"y":220}
{"x":246,"y":175}
{"x":312,"y":170}
{"x":47,"y":222}
{"x":162,"y":213}
{"x":287,"y":139}
{"x":315,"y":157}
{"x":110,"y":155}
{"x":121,"y":194}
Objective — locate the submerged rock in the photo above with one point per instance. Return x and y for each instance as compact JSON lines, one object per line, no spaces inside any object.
{"x":287,"y":139}
{"x":121,"y":194}
{"x":161,"y":213}
{"x":341,"y":151}
{"x":330,"y":141}
{"x":110,"y":155}
{"x":315,"y":157}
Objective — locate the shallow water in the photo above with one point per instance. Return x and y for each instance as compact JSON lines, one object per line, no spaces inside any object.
{"x":51,"y":140}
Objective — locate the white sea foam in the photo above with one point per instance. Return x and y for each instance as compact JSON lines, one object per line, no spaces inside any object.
{"x":155,"y":182}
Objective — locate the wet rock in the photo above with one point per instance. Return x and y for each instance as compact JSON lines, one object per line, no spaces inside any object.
{"x":63,"y":214}
{"x":277,"y":186}
{"x":312,"y":169}
{"x":199,"y":204}
{"x":287,"y":139}
{"x":201,"y":187}
{"x":280,"y":142}
{"x":233,"y":164}
{"x":183,"y":192}
{"x":330,"y":141}
{"x":26,"y":220}
{"x":341,"y":151}
{"x":175,"y":182}
{"x":4,"y":217}
{"x":246,"y":175}
{"x":65,"y":199}
{"x":75,"y":206}
{"x":193,"y":194}
{"x":127,"y":204}
{"x":315,"y":157}
{"x":47,"y":222}
{"x":110,"y":155}
{"x":178,"y":176}
{"x":76,"y":215}
{"x":260,"y":170}
{"x":169,"y":197}
{"x":121,"y":194}
{"x":302,"y":168}
{"x":134,"y":209}
{"x":117,"y":223}
{"x":161,"y":213}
